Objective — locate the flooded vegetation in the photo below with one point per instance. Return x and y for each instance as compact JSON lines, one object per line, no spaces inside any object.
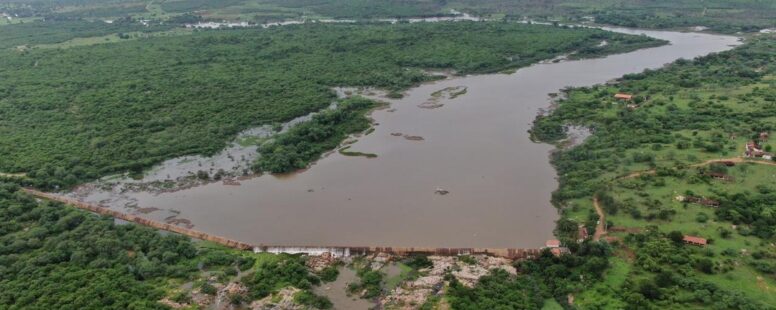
{"x":497,"y":181}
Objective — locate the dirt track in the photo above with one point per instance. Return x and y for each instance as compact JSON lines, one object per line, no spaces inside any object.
{"x":600,"y":228}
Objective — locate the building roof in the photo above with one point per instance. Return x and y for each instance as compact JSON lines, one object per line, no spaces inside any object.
{"x":694,"y":240}
{"x":559,"y":251}
{"x":623,"y":96}
{"x":582,"y":232}
{"x":554,"y":243}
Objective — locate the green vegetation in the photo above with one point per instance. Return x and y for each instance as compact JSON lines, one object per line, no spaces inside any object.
{"x":370,"y":285}
{"x":54,"y":257}
{"x":344,"y":151}
{"x":51,"y":32}
{"x":306,"y":142}
{"x":280,"y":271}
{"x":192,"y":94}
{"x":680,"y":117}
{"x":718,"y":15}
{"x":549,"y":276}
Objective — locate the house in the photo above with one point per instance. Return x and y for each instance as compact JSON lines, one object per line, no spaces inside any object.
{"x":623,"y":96}
{"x":753,"y":150}
{"x":699,"y":200}
{"x":554,"y":243}
{"x":559,"y":251}
{"x":720,"y":176}
{"x":694,"y":240}
{"x":582,"y":233}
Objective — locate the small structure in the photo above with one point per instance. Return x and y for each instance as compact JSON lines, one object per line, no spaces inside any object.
{"x":693,"y":240}
{"x":554,"y":243}
{"x":559,"y":251}
{"x":623,"y":96}
{"x":699,"y":200}
{"x":632,"y":106}
{"x":720,"y":176}
{"x":582,"y":233}
{"x":753,"y":149}
{"x":764,"y":136}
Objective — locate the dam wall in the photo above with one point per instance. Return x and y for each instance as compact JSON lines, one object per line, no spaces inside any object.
{"x":337,"y":251}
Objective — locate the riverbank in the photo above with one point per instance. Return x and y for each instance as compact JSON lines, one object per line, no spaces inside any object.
{"x":357,"y":200}
{"x":680,"y":162}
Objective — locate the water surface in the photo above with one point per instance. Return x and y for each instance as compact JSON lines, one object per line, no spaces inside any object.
{"x":474,"y":146}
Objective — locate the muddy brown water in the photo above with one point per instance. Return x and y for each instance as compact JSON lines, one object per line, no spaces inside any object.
{"x":475,"y":146}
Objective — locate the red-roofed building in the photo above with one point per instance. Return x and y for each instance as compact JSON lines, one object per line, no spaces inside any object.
{"x":623,"y":96}
{"x":582,"y":233}
{"x":694,"y":240}
{"x":559,"y":251}
{"x":554,"y":243}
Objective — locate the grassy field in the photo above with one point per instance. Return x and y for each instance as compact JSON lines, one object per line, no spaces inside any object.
{"x":640,"y":158}
{"x":113,"y":38}
{"x":698,"y":220}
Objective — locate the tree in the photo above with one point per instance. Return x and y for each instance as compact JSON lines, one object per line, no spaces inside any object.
{"x":676,"y":236}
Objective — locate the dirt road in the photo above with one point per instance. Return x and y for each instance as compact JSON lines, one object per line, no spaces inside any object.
{"x":600,"y":229}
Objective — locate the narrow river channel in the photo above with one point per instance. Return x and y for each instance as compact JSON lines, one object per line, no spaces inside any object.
{"x":474,"y":146}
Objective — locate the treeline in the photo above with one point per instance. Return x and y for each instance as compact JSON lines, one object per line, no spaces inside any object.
{"x":683,"y":114}
{"x":52,"y":256}
{"x":57,"y":257}
{"x":654,"y":125}
{"x":727,"y":16}
{"x":75,"y":114}
{"x":49,"y":32}
{"x":305,"y":143}
{"x":547,"y":277}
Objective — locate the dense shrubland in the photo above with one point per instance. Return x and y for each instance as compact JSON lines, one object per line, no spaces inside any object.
{"x":306,"y":142}
{"x":684,"y":114}
{"x":681,"y":114}
{"x":47,"y":32}
{"x":547,"y":277}
{"x":55,"y":257}
{"x":76,"y":114}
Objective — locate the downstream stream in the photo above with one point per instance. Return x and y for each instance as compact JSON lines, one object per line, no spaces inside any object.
{"x":475,"y":147}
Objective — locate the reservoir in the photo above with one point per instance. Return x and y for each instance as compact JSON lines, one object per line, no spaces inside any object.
{"x":449,"y":172}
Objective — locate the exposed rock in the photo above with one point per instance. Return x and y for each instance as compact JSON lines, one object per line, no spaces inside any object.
{"x":379,"y":260}
{"x":224,"y":296}
{"x":441,"y":191}
{"x":469,"y":275}
{"x":318,"y":263}
{"x":231,"y":182}
{"x":172,"y":304}
{"x":282,"y":300}
{"x":201,"y":299}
